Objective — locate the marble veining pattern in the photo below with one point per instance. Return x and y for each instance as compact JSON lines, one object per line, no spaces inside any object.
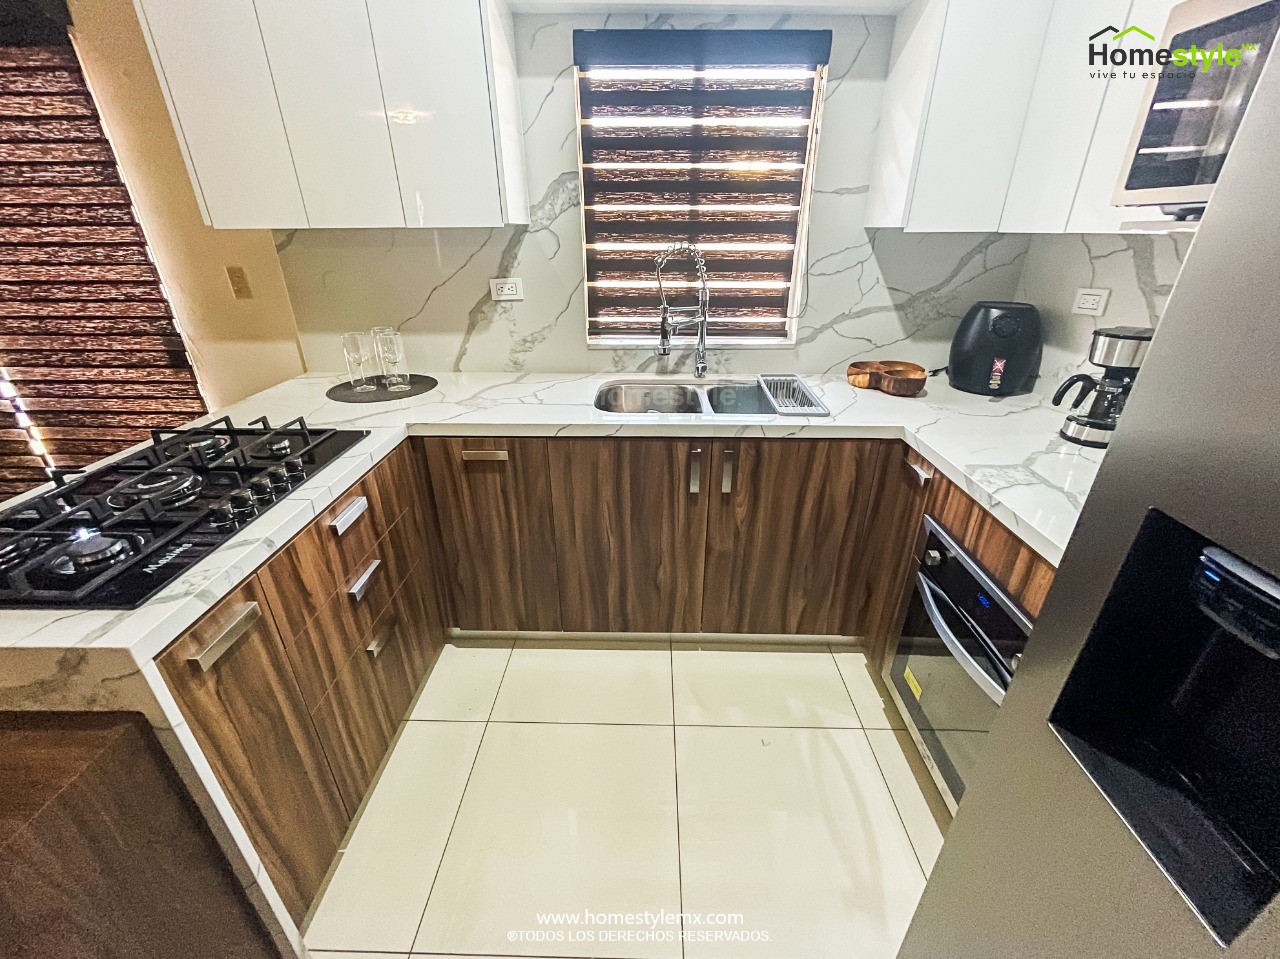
{"x":868,"y":293}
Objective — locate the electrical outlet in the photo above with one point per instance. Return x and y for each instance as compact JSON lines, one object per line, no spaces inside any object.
{"x":506,"y":288}
{"x":1091,"y":302}
{"x":239,"y":280}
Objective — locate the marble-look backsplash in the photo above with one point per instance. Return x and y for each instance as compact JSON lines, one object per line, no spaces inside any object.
{"x":1138,"y":269}
{"x":870,"y":293}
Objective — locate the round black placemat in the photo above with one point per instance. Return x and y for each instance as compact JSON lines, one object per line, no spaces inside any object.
{"x":346,"y":393}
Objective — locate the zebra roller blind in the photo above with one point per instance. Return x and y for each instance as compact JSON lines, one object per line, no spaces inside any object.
{"x":706,"y":136}
{"x":90,"y":359}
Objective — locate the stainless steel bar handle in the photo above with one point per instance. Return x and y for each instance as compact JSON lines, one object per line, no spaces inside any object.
{"x":923,"y":476}
{"x":342,"y":522}
{"x":726,"y":477}
{"x":930,"y":594}
{"x":494,"y":456}
{"x":380,"y":641}
{"x":695,"y":471}
{"x":361,"y":585}
{"x":245,"y":620}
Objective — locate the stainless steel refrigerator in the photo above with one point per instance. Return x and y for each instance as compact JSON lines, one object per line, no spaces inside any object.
{"x":1051,"y":857}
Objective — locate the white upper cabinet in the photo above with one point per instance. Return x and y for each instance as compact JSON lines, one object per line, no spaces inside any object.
{"x":457,"y":162}
{"x":959,"y":81}
{"x":213,"y":69}
{"x":326,"y":78}
{"x":347,"y":113}
{"x":992,"y":122}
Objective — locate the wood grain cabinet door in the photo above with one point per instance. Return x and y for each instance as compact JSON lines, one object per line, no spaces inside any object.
{"x":630,"y":526}
{"x":232,"y":679}
{"x":494,"y":500}
{"x":787,"y":532}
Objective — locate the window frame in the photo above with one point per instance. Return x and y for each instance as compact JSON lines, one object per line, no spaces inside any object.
{"x":798,"y":290}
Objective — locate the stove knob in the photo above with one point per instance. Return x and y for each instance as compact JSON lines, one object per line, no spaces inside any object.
{"x":295,"y":470}
{"x":242,"y":505}
{"x":278,"y":477}
{"x":932,"y":557}
{"x":260,"y":489}
{"x":222,"y":518}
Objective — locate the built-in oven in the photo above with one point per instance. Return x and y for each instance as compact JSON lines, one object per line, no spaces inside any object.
{"x":959,"y":646}
{"x":1206,"y":65}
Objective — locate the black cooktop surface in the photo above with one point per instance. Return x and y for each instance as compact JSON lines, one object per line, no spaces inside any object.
{"x":111,"y":537}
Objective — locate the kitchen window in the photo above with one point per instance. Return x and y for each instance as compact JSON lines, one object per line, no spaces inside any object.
{"x":706,"y":137}
{"x":90,"y":357}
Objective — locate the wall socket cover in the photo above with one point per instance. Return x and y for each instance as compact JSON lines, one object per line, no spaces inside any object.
{"x":1091,"y":302}
{"x":506,"y":288}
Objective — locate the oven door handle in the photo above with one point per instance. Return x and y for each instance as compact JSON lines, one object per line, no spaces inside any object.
{"x":930,"y":593}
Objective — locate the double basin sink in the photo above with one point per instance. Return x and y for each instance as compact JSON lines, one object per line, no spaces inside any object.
{"x":782,"y":395}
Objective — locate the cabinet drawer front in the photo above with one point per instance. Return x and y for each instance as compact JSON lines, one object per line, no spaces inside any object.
{"x":355,"y":727}
{"x":248,"y":715}
{"x":325,"y":558}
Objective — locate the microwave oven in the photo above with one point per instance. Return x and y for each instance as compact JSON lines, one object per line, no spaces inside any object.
{"x":1194,"y":102}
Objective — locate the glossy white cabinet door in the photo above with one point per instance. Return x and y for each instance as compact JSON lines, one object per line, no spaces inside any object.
{"x":213,"y":67}
{"x":436,"y":82}
{"x":326,"y":76}
{"x":987,"y":65}
{"x":508,"y":123}
{"x":917,"y":38}
{"x":1092,"y":211}
{"x":1061,"y":119}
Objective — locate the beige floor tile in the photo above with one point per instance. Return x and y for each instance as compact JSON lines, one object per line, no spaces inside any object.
{"x":875,"y":708}
{"x":559,"y":819}
{"x":376,"y":896}
{"x":795,"y":830}
{"x":326,"y":954}
{"x":623,"y":684}
{"x":919,"y":803}
{"x":464,"y":682}
{"x":717,"y":686}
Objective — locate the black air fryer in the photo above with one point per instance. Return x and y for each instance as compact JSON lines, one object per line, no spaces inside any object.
{"x":996,"y":351}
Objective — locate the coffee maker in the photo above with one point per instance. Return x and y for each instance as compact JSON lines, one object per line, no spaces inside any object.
{"x":1119,"y":350}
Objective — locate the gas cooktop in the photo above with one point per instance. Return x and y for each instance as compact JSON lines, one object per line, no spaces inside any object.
{"x":111,"y":537}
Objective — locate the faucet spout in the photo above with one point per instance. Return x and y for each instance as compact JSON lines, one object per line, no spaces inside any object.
{"x":698,"y":314}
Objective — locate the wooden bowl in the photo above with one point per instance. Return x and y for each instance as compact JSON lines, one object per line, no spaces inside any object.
{"x":895,"y":377}
{"x":865,"y":375}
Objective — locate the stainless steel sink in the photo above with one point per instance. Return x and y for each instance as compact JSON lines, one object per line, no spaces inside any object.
{"x":769,"y":395}
{"x":648,"y":398}
{"x":740,"y":399}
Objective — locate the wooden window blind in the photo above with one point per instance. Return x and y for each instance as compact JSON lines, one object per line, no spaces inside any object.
{"x":90,"y":357}
{"x":703,"y":136}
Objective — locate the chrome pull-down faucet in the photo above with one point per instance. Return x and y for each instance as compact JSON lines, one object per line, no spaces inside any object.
{"x":698,"y":313}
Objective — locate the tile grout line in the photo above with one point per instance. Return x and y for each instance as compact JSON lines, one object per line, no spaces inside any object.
{"x":847,"y":691}
{"x":885,"y":779}
{"x":675,"y":774}
{"x":461,"y":799}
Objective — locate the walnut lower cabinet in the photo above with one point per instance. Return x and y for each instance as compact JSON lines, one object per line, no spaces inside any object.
{"x":630,"y":532}
{"x":788,"y":527}
{"x":231,"y":677}
{"x":103,"y":854}
{"x":494,"y":501}
{"x":295,"y":683}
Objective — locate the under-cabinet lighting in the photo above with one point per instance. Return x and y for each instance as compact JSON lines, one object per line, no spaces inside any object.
{"x":696,"y":207}
{"x":1184,"y":104}
{"x":711,"y":73}
{"x":711,"y":284}
{"x":705,"y":246}
{"x":1188,"y":149}
{"x":690,"y":122}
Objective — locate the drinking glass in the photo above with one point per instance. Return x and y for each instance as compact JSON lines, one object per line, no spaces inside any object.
{"x":355,"y":347}
{"x":390,"y":347}
{"x":374,"y":334}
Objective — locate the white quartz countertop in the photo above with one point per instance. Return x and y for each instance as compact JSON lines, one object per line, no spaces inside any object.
{"x":1006,"y":453}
